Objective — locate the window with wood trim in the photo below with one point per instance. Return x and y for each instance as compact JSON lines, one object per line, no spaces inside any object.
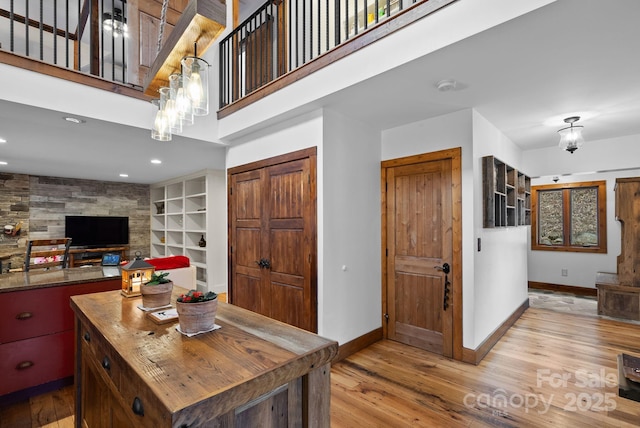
{"x":569,"y":217}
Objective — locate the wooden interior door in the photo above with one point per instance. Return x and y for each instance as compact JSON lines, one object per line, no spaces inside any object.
{"x":419,"y":281}
{"x":272,"y":254}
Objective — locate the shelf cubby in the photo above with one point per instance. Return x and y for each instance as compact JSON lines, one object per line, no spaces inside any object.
{"x":506,"y":195}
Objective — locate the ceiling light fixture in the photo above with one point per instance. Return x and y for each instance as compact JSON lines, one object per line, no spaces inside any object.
{"x":124,"y":175}
{"x":3,"y":163}
{"x":156,"y":161}
{"x":73,"y":120}
{"x":571,"y":136}
{"x":116,"y":24}
{"x":2,"y":140}
{"x":186,"y":96}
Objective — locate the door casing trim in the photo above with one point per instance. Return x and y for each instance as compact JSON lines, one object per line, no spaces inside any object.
{"x":455,"y":154}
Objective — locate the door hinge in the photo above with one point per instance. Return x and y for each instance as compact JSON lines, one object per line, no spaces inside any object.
{"x":231,"y":250}
{"x":231,"y":190}
{"x":386,"y":317}
{"x":309,"y":176}
{"x":386,"y":252}
{"x":386,"y":186}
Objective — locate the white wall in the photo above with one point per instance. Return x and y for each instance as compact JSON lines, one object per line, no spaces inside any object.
{"x":348,"y":177}
{"x":500,"y":268}
{"x":217,"y":231}
{"x":40,"y":90}
{"x":614,"y":158}
{"x":350,"y":299}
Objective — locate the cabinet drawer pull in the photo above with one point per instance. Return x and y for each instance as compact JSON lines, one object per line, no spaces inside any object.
{"x":24,"y":365}
{"x":24,"y":315}
{"x":106,"y":364}
{"x":137,"y":407}
{"x":87,"y":337}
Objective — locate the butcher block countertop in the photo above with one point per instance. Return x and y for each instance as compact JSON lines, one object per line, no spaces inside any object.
{"x":18,"y":281}
{"x":225,"y":375}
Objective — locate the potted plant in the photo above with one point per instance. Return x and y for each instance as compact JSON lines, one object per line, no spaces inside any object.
{"x":197,"y":311}
{"x":156,"y":293}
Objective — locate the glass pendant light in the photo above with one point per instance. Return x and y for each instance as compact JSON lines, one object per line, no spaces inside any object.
{"x":182,"y":102}
{"x":571,"y":136}
{"x":161,"y":130}
{"x":196,"y":72}
{"x":171,"y":111}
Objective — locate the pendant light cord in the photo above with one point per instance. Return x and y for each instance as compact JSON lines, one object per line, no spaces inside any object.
{"x":163,"y":21}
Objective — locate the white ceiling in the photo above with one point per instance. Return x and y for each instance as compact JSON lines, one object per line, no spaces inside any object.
{"x":571,"y":57}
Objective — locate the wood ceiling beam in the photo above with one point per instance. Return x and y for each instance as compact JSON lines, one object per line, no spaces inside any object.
{"x":201,"y":22}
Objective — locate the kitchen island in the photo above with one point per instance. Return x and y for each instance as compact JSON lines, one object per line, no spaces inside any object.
{"x":37,"y":326}
{"x":252,"y":371}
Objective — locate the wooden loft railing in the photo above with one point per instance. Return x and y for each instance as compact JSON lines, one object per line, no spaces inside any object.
{"x":286,"y":40}
{"x":68,"y":39}
{"x":71,"y":75}
{"x":279,"y":44}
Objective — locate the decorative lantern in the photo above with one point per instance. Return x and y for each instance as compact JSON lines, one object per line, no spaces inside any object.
{"x":134,"y":274}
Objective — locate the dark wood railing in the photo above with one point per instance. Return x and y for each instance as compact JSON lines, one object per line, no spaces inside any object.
{"x":73,"y":34}
{"x":286,"y":34}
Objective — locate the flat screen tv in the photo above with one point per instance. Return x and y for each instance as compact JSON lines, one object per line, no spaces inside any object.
{"x":96,"y":231}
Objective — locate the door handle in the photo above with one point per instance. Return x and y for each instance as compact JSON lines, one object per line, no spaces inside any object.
{"x":445,"y":299}
{"x":263,"y":263}
{"x":444,"y":268}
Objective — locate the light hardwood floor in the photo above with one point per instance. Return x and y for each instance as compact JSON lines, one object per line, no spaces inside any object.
{"x":549,"y":370}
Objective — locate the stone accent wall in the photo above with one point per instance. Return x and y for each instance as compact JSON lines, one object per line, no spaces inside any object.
{"x":41,"y":203}
{"x":14,"y":207}
{"x":52,"y":198}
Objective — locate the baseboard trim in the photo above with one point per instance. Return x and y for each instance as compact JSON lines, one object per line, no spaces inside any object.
{"x":579,"y":291}
{"x":24,"y":394}
{"x":358,"y":344}
{"x":474,"y":356}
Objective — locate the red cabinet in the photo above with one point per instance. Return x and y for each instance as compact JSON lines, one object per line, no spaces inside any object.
{"x":36,"y":333}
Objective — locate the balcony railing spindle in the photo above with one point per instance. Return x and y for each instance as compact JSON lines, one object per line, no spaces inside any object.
{"x":11,"y":19}
{"x":55,"y":32}
{"x":41,"y":32}
{"x":78,"y":46}
{"x":26,"y":28}
{"x":66,"y":33}
{"x":102,"y":41}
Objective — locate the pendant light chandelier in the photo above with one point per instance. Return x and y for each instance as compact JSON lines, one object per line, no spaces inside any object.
{"x":571,"y":136}
{"x":186,"y":96}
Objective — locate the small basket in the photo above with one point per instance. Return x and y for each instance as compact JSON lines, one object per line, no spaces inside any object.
{"x":197,"y":317}
{"x":156,"y":296}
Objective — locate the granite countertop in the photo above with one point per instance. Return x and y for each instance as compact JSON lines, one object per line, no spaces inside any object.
{"x":17,"y":281}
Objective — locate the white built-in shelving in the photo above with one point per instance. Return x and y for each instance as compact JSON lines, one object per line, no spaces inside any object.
{"x":185,"y":211}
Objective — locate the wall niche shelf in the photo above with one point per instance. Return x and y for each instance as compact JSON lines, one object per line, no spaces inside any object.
{"x":507,"y":194}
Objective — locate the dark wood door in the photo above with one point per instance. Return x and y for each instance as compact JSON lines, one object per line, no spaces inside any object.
{"x":272,"y":239}
{"x":419,"y":243}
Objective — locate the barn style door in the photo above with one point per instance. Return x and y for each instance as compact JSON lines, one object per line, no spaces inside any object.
{"x":272,"y":238}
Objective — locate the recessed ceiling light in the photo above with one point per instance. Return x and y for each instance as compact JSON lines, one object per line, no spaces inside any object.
{"x":3,"y":163}
{"x":446,"y":85}
{"x":156,"y":161}
{"x":73,"y":119}
{"x":2,"y":140}
{"x":124,"y":175}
